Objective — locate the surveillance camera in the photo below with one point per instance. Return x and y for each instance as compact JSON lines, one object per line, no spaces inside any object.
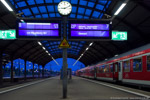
{"x":19,"y":14}
{"x":108,"y":16}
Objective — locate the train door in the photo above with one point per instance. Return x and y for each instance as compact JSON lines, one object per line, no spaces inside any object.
{"x":95,"y":73}
{"x":120,"y":71}
{"x":116,"y":68}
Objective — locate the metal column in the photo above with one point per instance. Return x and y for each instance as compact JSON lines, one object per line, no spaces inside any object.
{"x":65,"y":59}
{"x":42,"y":71}
{"x":1,"y":70}
{"x":12,"y":72}
{"x":33,"y":71}
{"x":25,"y":70}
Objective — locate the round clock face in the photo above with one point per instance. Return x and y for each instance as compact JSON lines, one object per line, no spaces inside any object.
{"x":64,"y":8}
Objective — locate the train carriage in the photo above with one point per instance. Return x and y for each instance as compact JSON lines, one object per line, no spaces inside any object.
{"x":132,"y":67}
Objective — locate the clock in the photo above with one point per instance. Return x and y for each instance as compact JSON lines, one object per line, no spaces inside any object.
{"x":64,"y":8}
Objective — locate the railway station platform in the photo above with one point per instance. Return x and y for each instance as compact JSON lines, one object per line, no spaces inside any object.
{"x":78,"y":89}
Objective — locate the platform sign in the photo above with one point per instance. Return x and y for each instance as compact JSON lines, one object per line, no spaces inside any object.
{"x":116,"y":35}
{"x":7,"y":34}
{"x":64,"y":44}
{"x":90,"y":31}
{"x":38,"y":30}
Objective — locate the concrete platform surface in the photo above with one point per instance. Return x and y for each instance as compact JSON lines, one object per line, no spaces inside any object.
{"x":51,"y":89}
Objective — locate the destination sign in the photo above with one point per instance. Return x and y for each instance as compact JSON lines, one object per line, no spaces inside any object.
{"x":90,"y":31}
{"x":38,"y":33}
{"x":38,"y":30}
{"x":38,"y":26}
{"x":90,"y":26}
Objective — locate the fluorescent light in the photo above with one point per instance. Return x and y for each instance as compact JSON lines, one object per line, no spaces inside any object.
{"x":47,"y":51}
{"x":49,"y":54}
{"x":6,"y":5}
{"x":39,"y":43}
{"x":87,"y":49}
{"x":116,"y":55}
{"x":44,"y":48}
{"x":91,"y":44}
{"x":22,"y":21}
{"x":120,"y":8}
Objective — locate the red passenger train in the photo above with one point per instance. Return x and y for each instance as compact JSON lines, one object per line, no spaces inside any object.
{"x":132,"y":67}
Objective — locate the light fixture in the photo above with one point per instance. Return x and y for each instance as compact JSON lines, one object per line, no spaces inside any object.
{"x":91,"y":44}
{"x":120,"y":8}
{"x":22,"y":20}
{"x":44,"y":48}
{"x":87,"y":49}
{"x":6,"y":5}
{"x":106,"y":59}
{"x":39,"y":43}
{"x":46,"y":51}
{"x":116,"y":55}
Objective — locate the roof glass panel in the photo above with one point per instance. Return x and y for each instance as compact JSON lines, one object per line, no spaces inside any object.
{"x":102,"y":2}
{"x":45,"y":15}
{"x":26,"y":12}
{"x":74,"y":9}
{"x":96,"y":14}
{"x":73,"y":15}
{"x":38,"y":16}
{"x":86,"y":17}
{"x":21,"y":4}
{"x":56,"y":1}
{"x":31,"y":2}
{"x":39,"y":1}
{"x":74,"y":1}
{"x":58,"y":15}
{"x":83,"y":2}
{"x":91,"y":4}
{"x":42,"y":9}
{"x":100,"y":7}
{"x":52,"y":14}
{"x":48,"y":1}
{"x":81,"y":10}
{"x":50,"y":8}
{"x":35,"y":10}
{"x":88,"y":12}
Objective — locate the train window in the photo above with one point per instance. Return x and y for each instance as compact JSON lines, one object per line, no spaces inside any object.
{"x":103,"y":69}
{"x":107,"y":69}
{"x":116,"y":67}
{"x":137,"y":64}
{"x":148,"y":62}
{"x":126,"y":65}
{"x":111,"y":67}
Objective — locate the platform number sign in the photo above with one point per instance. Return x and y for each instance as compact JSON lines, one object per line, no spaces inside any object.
{"x":117,"y":35}
{"x":7,"y":34}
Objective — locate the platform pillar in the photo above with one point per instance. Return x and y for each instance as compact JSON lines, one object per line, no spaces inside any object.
{"x":42,"y":71}
{"x":33,"y":71}
{"x":25,"y":70}
{"x":65,"y":81}
{"x":1,"y":69}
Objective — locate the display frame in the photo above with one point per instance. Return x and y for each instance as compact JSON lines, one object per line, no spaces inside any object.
{"x":90,"y":38}
{"x":38,"y":37}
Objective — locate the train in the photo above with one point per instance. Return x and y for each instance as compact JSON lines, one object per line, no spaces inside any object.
{"x":132,"y":67}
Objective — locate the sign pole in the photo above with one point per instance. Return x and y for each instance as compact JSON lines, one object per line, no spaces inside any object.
{"x":65,"y":59}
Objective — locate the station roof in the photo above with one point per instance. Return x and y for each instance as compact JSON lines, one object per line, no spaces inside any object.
{"x":134,"y":18}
